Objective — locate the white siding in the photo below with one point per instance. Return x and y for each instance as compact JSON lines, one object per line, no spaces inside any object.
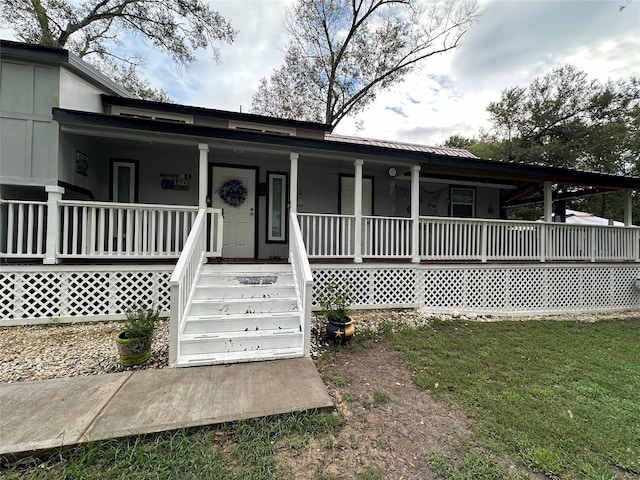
{"x":78,"y":94}
{"x":28,"y":136}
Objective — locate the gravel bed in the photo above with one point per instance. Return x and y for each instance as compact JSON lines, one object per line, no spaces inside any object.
{"x":54,"y":351}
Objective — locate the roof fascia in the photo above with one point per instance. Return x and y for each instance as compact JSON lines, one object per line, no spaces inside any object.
{"x":27,"y":51}
{"x":210,"y":112}
{"x":526,"y":172}
{"x":91,"y":73}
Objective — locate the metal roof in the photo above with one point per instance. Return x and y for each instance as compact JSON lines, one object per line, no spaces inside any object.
{"x":414,"y":147}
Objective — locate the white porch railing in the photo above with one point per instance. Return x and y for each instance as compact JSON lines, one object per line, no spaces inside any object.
{"x":328,"y":235}
{"x":461,"y":239}
{"x":388,"y":237}
{"x":25,"y":234}
{"x":303,"y":279}
{"x":94,"y":230}
{"x":183,"y":280}
{"x":98,"y":229}
{"x":214,"y":232}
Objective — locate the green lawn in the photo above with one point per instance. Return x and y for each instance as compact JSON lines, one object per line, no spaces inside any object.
{"x":560,"y":398}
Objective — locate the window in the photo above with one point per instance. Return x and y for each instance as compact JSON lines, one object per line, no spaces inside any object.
{"x":151,"y":115}
{"x":463,"y":202}
{"x":256,"y":127}
{"x":277,"y":207}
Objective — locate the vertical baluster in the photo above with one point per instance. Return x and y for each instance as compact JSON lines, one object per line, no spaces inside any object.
{"x":65,"y":225}
{"x":10,"y":226}
{"x":111,"y":232}
{"x":20,"y":241}
{"x":74,"y":229}
{"x":83,"y":232}
{"x":161,"y":234}
{"x":153,"y":231}
{"x":30,"y":229}
{"x":40,"y":235}
{"x":169,"y":230}
{"x":118,"y":230}
{"x":331,"y":238}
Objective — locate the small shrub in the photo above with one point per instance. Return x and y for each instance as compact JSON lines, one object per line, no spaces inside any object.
{"x":140,"y":322}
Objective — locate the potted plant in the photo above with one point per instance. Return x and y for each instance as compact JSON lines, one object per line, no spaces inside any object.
{"x":334,"y":302}
{"x":134,"y":341}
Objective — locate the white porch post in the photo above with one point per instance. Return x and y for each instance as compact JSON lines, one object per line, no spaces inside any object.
{"x":293,"y":193}
{"x":357,"y":210}
{"x":548,"y":202}
{"x":415,"y":214}
{"x":628,"y":209}
{"x":54,"y":195}
{"x":293,"y":185}
{"x":202,"y":175}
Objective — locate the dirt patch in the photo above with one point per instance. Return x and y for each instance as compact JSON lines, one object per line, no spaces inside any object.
{"x":390,"y":426}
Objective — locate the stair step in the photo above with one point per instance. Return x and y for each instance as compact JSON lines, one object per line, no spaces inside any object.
{"x":236,"y":357}
{"x":211,"y":343}
{"x":243,"y":291}
{"x":242,"y":322}
{"x":246,"y":278}
{"x":226,"y":269}
{"x":243,"y":305}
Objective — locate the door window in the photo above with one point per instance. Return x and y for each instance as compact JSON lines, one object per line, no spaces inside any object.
{"x":124,"y":181}
{"x":277,"y":204}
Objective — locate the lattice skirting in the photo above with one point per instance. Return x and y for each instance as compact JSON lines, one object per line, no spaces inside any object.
{"x":526,"y":289}
{"x":46,"y":294}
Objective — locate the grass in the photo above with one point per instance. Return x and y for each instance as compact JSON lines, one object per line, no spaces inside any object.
{"x":241,"y":450}
{"x":560,"y":397}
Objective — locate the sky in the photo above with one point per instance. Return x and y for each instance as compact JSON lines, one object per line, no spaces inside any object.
{"x":514,"y":42}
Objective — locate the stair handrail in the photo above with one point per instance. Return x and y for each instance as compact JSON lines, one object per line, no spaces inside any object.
{"x":303,"y":279}
{"x":184,"y":278}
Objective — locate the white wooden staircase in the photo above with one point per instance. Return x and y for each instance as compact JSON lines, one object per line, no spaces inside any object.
{"x":242,"y":313}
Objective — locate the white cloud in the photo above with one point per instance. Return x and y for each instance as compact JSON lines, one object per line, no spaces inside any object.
{"x":514,"y":42}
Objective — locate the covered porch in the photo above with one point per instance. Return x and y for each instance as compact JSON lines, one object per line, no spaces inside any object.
{"x":401,"y":225}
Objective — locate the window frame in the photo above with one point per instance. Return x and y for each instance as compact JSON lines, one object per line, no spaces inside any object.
{"x":284,"y":202}
{"x":453,"y":204}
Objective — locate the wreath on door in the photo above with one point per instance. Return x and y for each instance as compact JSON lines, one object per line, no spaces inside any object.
{"x":233,"y":193}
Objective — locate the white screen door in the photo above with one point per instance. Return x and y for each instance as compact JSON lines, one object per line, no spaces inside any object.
{"x":239,"y":226}
{"x":124,"y":182}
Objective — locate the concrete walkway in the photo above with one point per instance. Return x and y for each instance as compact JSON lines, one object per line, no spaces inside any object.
{"x":49,"y":414}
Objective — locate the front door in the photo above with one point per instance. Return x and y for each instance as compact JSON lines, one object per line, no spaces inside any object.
{"x":234,"y":190}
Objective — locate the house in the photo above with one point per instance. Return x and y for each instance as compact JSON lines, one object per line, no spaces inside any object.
{"x":230,"y":222}
{"x":585,"y":218}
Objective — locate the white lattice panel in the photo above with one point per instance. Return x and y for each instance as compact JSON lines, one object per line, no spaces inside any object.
{"x":489,"y":289}
{"x":394,"y":286}
{"x":60,"y":293}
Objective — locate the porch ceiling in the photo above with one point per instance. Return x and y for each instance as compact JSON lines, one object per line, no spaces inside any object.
{"x":435,"y":165}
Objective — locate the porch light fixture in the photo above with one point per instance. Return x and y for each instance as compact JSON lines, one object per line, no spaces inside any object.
{"x":392,"y":172}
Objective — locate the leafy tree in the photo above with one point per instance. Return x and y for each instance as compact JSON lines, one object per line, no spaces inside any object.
{"x":486,"y":146}
{"x":564,"y":119}
{"x":95,"y":29}
{"x":342,"y":53}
